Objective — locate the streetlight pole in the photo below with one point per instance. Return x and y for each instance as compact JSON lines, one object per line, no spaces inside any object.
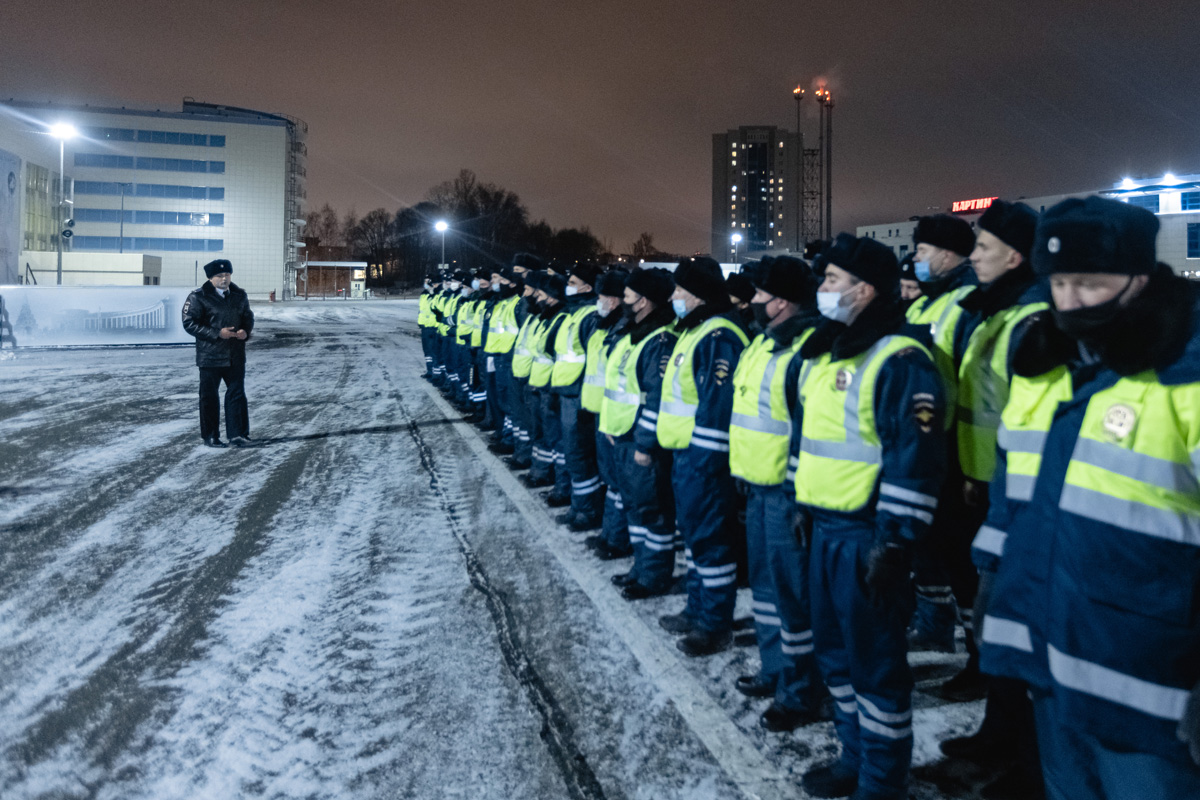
{"x":736,"y":238}
{"x":121,"y":236}
{"x":798,"y":93}
{"x":441,"y":227}
{"x":61,"y":131}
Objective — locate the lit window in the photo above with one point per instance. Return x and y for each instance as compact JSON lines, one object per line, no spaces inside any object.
{"x":781,"y":216}
{"x":781,"y":144}
{"x":733,"y":207}
{"x":734,"y":189}
{"x":735,"y":162}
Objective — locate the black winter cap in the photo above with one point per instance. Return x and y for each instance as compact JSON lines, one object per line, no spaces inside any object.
{"x":528,"y":261}
{"x":612,"y":284}
{"x":754,"y":270}
{"x":1095,"y":234}
{"x":587,"y":272}
{"x":789,"y":278}
{"x":555,"y":286}
{"x":908,"y":270}
{"x":217,"y":267}
{"x":947,"y":232}
{"x":702,"y":277}
{"x":867,"y":260}
{"x":739,"y":285}
{"x":655,"y":284}
{"x":462,"y":276}
{"x":483,"y":274}
{"x":1012,"y":223}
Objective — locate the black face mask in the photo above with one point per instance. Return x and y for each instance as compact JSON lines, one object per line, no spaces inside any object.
{"x":627,"y":311}
{"x":760,"y":314}
{"x":1089,"y":322}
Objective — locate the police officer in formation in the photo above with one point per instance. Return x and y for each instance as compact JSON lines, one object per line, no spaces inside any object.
{"x":1039,"y":399}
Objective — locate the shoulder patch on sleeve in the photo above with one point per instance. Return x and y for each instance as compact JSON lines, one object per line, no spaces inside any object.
{"x":924,"y":413}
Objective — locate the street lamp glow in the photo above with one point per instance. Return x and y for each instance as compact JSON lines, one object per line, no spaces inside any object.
{"x":63,"y":131}
{"x":441,"y":226}
{"x":1170,"y":178}
{"x":1128,"y":183}
{"x":737,"y":237}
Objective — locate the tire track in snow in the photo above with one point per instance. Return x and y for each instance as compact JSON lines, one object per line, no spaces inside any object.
{"x":557,"y":732}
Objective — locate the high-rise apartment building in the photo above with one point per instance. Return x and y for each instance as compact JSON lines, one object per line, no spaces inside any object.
{"x":755,"y":191}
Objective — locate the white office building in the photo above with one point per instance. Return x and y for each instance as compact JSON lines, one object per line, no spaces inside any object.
{"x":206,"y":182}
{"x":1175,"y":199}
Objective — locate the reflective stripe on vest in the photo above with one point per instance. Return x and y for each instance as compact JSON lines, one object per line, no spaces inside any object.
{"x":983,"y":383}
{"x":942,"y":316}
{"x":1024,"y":425}
{"x":502,"y":327}
{"x":622,"y":393}
{"x":591,"y":396}
{"x":543,"y":364}
{"x":760,"y":427}
{"x":840,"y":452}
{"x":522,"y":352}
{"x":477,"y":322}
{"x":680,"y":399}
{"x":1132,"y":464}
{"x":570,"y":355}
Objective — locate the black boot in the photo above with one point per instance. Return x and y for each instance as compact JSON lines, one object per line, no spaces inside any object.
{"x":606,"y":553}
{"x":704,"y":643}
{"x":755,"y":685}
{"x":781,"y":719}
{"x":639,"y":591}
{"x":676,"y":623}
{"x":623,"y":579}
{"x":830,"y":780}
{"x":556,"y":500}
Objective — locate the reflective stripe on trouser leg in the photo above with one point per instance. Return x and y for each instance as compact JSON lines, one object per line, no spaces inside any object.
{"x":935,"y":615}
{"x":787,"y":566}
{"x":706,"y":506}
{"x":645,"y":493}
{"x":522,"y":440}
{"x":862,"y":648}
{"x":762,"y":590}
{"x":614,"y":530}
{"x":543,"y":456}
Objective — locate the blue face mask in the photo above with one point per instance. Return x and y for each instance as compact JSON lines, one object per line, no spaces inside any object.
{"x":923,"y":270}
{"x":680,"y":306}
{"x":830,"y":306}
{"x":475,"y":284}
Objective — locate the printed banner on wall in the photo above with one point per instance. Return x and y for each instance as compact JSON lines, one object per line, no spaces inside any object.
{"x":81,"y":316}
{"x":10,"y":217}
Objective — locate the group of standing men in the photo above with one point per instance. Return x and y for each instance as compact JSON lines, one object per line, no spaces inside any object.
{"x":1021,"y":440}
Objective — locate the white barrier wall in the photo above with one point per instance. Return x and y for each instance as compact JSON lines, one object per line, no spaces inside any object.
{"x":82,"y":316}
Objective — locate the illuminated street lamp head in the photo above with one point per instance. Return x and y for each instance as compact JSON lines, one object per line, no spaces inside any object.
{"x":797,"y":91}
{"x":63,"y":130}
{"x":441,"y":226}
{"x":737,"y":237}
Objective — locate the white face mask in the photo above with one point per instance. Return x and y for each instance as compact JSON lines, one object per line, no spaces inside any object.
{"x":830,"y":305}
{"x":455,"y":286}
{"x":571,"y":290}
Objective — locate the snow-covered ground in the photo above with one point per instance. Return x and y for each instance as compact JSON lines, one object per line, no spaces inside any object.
{"x":369,"y":606}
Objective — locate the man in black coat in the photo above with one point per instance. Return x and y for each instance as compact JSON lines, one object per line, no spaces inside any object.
{"x":218,"y":314}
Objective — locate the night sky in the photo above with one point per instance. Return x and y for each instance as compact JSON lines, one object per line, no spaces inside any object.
{"x":601,"y":113}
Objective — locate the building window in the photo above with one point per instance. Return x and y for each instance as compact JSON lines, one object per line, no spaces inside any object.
{"x":1193,"y":240}
{"x":154,"y":137}
{"x":140,"y":243}
{"x":149,"y":217}
{"x":1146,"y":201}
{"x":180,"y":165}
{"x":103,"y":160}
{"x":151,"y":190}
{"x":1190,"y":201}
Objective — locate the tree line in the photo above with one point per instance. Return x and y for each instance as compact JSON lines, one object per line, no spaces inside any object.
{"x":488,"y":224}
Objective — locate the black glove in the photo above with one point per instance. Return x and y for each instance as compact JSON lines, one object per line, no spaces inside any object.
{"x":1189,"y":726}
{"x":889,"y":568}
{"x":743,"y":487}
{"x":802,"y":528}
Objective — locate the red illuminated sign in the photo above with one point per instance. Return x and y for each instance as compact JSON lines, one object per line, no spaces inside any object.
{"x":967,"y":206}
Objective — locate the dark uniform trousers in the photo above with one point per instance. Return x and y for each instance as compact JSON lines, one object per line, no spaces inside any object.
{"x":779,"y":591}
{"x":237,"y":414}
{"x":649,"y":513}
{"x":615,"y":528}
{"x":579,"y":453}
{"x":862,"y":652}
{"x":706,"y":512}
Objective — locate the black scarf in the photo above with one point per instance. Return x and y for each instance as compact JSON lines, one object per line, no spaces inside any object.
{"x":701,"y":314}
{"x":962,"y":275}
{"x":654,"y":320}
{"x":882,"y":317}
{"x":786,"y":332}
{"x":1148,"y":333}
{"x":1004,"y":292}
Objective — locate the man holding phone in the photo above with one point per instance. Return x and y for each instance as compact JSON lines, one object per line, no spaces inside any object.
{"x":218,"y":314}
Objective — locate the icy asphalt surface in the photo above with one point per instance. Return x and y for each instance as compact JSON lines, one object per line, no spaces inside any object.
{"x":370,"y":606}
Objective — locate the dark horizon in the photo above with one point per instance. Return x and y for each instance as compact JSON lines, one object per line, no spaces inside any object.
{"x":603,"y":116}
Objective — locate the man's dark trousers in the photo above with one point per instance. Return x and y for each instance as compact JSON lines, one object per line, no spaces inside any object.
{"x":237,"y":415}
